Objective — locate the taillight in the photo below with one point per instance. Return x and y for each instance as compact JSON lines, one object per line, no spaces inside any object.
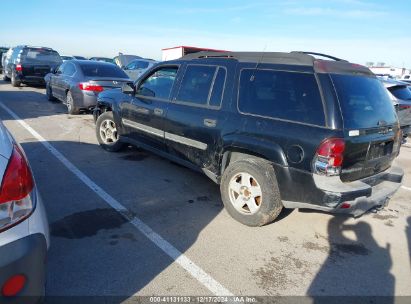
{"x":402,"y":106}
{"x":329,"y":157}
{"x":19,"y":67}
{"x":84,"y":86}
{"x":16,"y":187}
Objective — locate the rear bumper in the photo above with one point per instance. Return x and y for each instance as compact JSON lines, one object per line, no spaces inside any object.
{"x":361,"y":195}
{"x":31,"y":79}
{"x":84,"y":99}
{"x":25,"y":256}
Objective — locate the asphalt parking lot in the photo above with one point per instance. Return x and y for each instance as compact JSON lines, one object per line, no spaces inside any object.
{"x":183,"y":241}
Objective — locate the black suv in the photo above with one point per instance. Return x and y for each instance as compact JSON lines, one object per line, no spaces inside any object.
{"x":28,"y":64}
{"x":273,"y":129}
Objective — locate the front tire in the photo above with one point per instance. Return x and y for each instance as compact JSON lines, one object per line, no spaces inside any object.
{"x":107,"y":134}
{"x":14,"y":82}
{"x":250,"y":193}
{"x":71,"y":108}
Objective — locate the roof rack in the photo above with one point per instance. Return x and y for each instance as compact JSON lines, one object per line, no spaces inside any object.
{"x":320,"y":54}
{"x":35,"y":47}
{"x":262,"y":57}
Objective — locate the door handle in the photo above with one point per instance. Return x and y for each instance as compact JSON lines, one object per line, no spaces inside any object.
{"x":158,"y":111}
{"x":211,"y":123}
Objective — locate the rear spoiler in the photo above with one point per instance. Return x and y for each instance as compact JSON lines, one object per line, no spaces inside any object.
{"x":341,"y":67}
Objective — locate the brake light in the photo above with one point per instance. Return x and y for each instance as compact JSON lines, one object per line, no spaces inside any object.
{"x":19,"y":67}
{"x":402,"y":106}
{"x":16,"y":187}
{"x":14,"y":285}
{"x":329,"y":157}
{"x":84,"y":86}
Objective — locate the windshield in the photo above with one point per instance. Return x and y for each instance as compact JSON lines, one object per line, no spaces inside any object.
{"x":37,"y":54}
{"x":400,"y":92}
{"x":364,"y":101}
{"x":102,"y":70}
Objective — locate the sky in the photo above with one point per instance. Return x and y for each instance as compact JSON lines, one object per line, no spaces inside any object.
{"x":357,"y":30}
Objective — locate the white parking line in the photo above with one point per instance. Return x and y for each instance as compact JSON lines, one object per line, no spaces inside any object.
{"x":406,"y":188}
{"x":199,"y":274}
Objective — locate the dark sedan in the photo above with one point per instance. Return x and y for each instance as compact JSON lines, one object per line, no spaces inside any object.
{"x":77,"y":83}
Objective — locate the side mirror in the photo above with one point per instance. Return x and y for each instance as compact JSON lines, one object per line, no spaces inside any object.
{"x":128,"y":88}
{"x":52,"y":70}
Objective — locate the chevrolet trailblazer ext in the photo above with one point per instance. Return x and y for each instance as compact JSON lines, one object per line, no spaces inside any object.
{"x":273,"y":129}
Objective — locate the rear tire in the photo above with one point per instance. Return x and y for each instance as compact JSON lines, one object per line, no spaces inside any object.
{"x":250,"y":193}
{"x":14,"y":82}
{"x":49,"y":93}
{"x":5,"y":78}
{"x":71,"y":108}
{"x":107,"y":134}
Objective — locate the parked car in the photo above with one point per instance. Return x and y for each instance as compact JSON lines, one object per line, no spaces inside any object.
{"x":401,"y":98}
{"x":122,"y":60}
{"x":5,"y":57}
{"x":273,"y":129}
{"x":104,"y":59}
{"x":77,"y":83}
{"x":29,"y":64}
{"x":137,"y":67}
{"x":24,"y":232}
{"x":407,"y":81}
{"x":65,"y":58}
{"x":79,"y":57}
{"x":3,"y":50}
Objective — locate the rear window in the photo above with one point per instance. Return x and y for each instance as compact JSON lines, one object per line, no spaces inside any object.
{"x":364,"y":101}
{"x":278,"y":94}
{"x":37,"y":54}
{"x":102,"y":70}
{"x":400,"y":92}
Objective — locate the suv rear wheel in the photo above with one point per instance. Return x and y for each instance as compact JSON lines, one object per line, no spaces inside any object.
{"x":14,"y":81}
{"x":250,"y":192}
{"x":107,"y":134}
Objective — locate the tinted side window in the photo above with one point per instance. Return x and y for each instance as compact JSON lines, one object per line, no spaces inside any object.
{"x":277,"y":94}
{"x":196,"y":84}
{"x":159,"y":83}
{"x":218,"y":88}
{"x":69,"y":69}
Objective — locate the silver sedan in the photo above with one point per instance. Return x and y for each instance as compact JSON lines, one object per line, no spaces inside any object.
{"x":77,"y":83}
